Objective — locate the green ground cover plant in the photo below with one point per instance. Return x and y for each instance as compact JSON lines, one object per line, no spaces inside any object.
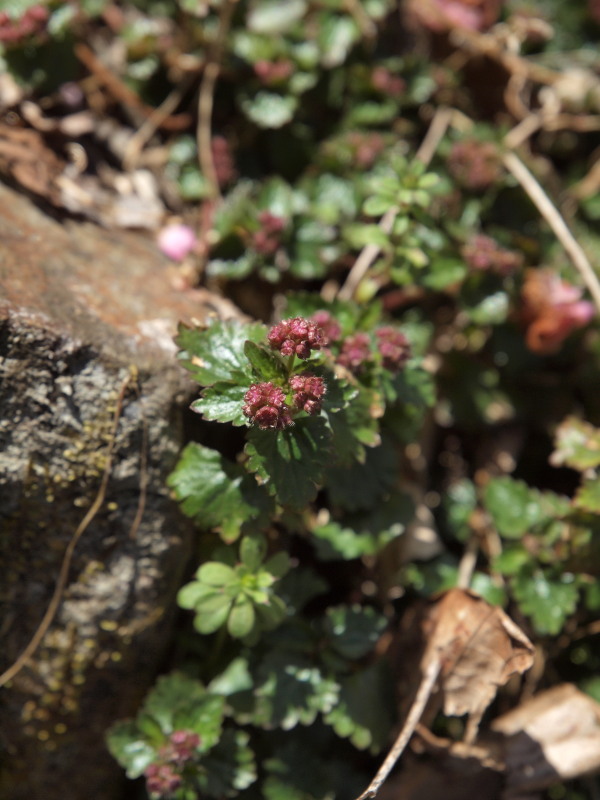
{"x":406,"y":202}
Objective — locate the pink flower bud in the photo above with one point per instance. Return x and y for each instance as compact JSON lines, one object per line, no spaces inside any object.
{"x":265,"y":406}
{"x":394,"y":348}
{"x":356,"y":352}
{"x":297,"y":336}
{"x":308,"y":392}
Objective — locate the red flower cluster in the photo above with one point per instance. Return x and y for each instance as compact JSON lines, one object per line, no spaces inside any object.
{"x":355,"y":352}
{"x":265,"y":406}
{"x":484,"y":253}
{"x":474,"y":164}
{"x":394,"y":348}
{"x":33,"y":20}
{"x":330,"y":326}
{"x":163,"y":777}
{"x":267,"y":238}
{"x":273,"y":72}
{"x":309,"y":391}
{"x":297,"y":336}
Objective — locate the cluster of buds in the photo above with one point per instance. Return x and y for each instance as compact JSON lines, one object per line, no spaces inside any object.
{"x":474,"y":164}
{"x":355,"y":352}
{"x":297,"y":336}
{"x":394,"y":348}
{"x":32,"y":21}
{"x":309,"y":391}
{"x":265,"y":406}
{"x":384,"y":81}
{"x":551,"y":310}
{"x":163,"y":777}
{"x":365,"y":147}
{"x":482,"y":253}
{"x":273,"y":72}
{"x":267,"y":239}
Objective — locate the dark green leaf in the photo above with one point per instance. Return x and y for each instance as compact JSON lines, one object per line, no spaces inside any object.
{"x":214,"y":491}
{"x":266,"y":364}
{"x":548,"y":601}
{"x":229,"y":768}
{"x":290,"y":461}
{"x":362,"y":485}
{"x":222,"y":402}
{"x":216,"y":354}
{"x":354,"y":630}
{"x":130,"y":749}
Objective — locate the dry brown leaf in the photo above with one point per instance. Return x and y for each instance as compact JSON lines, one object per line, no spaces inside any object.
{"x":472,"y":649}
{"x":478,"y":647}
{"x":553,"y":737}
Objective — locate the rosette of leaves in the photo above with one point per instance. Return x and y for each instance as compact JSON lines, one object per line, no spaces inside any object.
{"x":240,"y":595}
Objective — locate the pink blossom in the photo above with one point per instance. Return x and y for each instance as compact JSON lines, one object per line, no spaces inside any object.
{"x":176,"y":241}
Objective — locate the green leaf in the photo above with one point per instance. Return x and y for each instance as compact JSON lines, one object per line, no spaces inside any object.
{"x":241,"y":618}
{"x":359,"y":235}
{"x":212,"y":613}
{"x":217,"y":574}
{"x":273,"y":17}
{"x":363,"y":711}
{"x":367,"y":533}
{"x":270,"y":110}
{"x":290,"y":461}
{"x":130,"y":749}
{"x":588,"y":496}
{"x":444,"y":272}
{"x":234,"y":678}
{"x":213,"y":491}
{"x":216,"y":354}
{"x":513,"y":506}
{"x":362,"y":485}
{"x":253,"y":549}
{"x":229,"y":768}
{"x":222,"y":403}
{"x":354,"y":630}
{"x":266,"y":364}
{"x":336,"y":36}
{"x":192,"y":594}
{"x":549,"y":602}
{"x":577,"y":445}
{"x":290,"y":690}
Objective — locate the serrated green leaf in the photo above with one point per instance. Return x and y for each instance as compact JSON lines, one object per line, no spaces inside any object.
{"x":265,"y":363}
{"x":213,"y":491}
{"x":229,"y":768}
{"x":222,"y":402}
{"x":362,"y":485}
{"x":354,"y":630}
{"x":363,"y":534}
{"x":216,"y":354}
{"x":588,"y":496}
{"x":548,"y":601}
{"x":363,"y":711}
{"x":270,"y":110}
{"x":577,"y":445}
{"x":171,"y":694}
{"x":516,"y":508}
{"x":130,"y":749}
{"x":290,"y":690}
{"x":234,"y":678}
{"x":290,"y":461}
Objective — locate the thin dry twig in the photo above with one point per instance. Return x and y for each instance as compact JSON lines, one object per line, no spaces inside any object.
{"x":143,"y":135}
{"x":544,"y":205}
{"x":206,"y":100}
{"x":369,"y":253}
{"x":63,"y":575}
{"x":412,"y":720}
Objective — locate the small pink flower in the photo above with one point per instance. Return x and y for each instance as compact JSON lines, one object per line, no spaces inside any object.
{"x":394,"y":348}
{"x":330,"y":326}
{"x":176,"y":241}
{"x":483,"y":253}
{"x":309,"y":391}
{"x":356,"y":352}
{"x":265,"y":406}
{"x":297,"y":336}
